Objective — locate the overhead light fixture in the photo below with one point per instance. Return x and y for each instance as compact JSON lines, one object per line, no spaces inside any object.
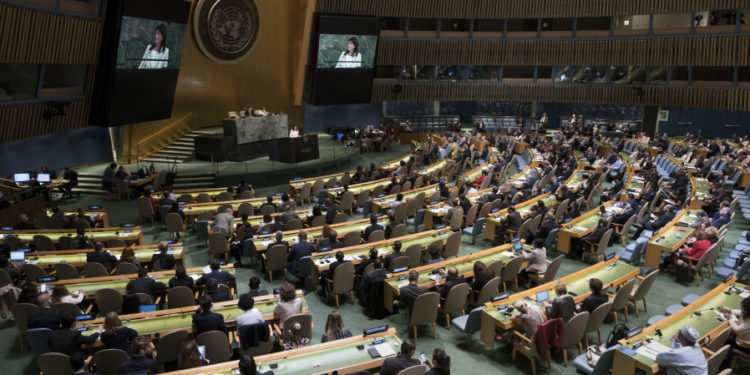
{"x":626,"y":22}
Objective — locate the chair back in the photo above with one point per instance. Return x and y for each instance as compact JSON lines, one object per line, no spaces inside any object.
{"x":127,"y":268}
{"x":108,"y":361}
{"x":552,"y":269}
{"x":203,"y":198}
{"x":401,"y":212}
{"x":719,"y":340}
{"x":510,"y":271}
{"x":217,"y":244}
{"x":346,"y":201}
{"x":626,"y":227}
{"x":263,"y":347}
{"x":395,"y":189}
{"x":644,"y":286}
{"x":43,"y":243}
{"x":351,"y":238}
{"x":455,"y":301}
{"x":340,"y":218}
{"x":425,"y":308}
{"x":217,"y":346}
{"x":276,"y":258}
{"x":94,"y":269}
{"x":406,"y":186}
{"x":601,"y":249}
{"x":108,"y":300}
{"x":115,"y":243}
{"x":398,"y":231}
{"x":343,"y":278}
{"x":247,"y":208}
{"x":66,"y":242}
{"x":174,"y":222}
{"x":523,"y":230}
{"x":33,"y":271}
{"x":485,"y":210}
{"x":376,"y":235}
{"x":293,"y":224}
{"x":362,"y":197}
{"x":145,"y":208}
{"x":413,"y":370}
{"x":622,"y":295}
{"x":457,"y":218}
{"x":20,"y":313}
{"x":575,"y":329}
{"x":414,"y":252}
{"x":13,"y":242}
{"x":597,"y":317}
{"x":305,"y":322}
{"x":68,"y":308}
{"x":317,"y":221}
{"x":488,"y":291}
{"x":474,"y":321}
{"x":471,"y":216}
{"x":535,"y":222}
{"x":169,"y":346}
{"x":38,"y":339}
{"x":316,"y":188}
{"x":451,"y":245}
{"x":370,"y":268}
{"x":180,"y":296}
{"x":187,"y":198}
{"x":224,"y":196}
{"x":400,"y":262}
{"x":715,"y":360}
{"x":54,"y":364}
{"x":497,"y":267}
{"x":304,"y":267}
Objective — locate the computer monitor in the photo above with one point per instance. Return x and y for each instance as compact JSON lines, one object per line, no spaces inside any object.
{"x":21,"y":177}
{"x":147,"y":308}
{"x":43,"y":177}
{"x":542,"y":296}
{"x":518,"y":246}
{"x":17,"y":256}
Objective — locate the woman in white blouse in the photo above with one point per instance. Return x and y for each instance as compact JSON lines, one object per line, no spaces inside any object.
{"x":351,"y":58}
{"x":60,"y":294}
{"x":157,"y":54}
{"x":740,"y":326}
{"x":294,"y":133}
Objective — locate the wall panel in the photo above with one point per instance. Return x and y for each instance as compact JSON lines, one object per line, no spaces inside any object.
{"x":518,"y":8}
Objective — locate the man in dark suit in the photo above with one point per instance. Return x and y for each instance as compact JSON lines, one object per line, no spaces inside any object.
{"x":332,"y":209}
{"x":454,"y":209}
{"x":623,"y":216}
{"x":269,"y":202}
{"x":563,"y":306}
{"x":102,"y":257}
{"x":44,"y":316}
{"x":372,"y":227}
{"x":330,"y":243}
{"x":328,"y":274}
{"x":596,"y":298}
{"x":212,"y":290}
{"x":409,"y":292}
{"x":572,"y":211}
{"x":298,"y":251}
{"x":279,"y":240}
{"x":67,"y":339}
{"x":394,"y":365}
{"x":144,"y":284}
{"x":396,"y":246}
{"x":453,"y":279}
{"x":654,"y":223}
{"x":222,"y":277}
{"x":566,"y":194}
{"x":513,"y":220}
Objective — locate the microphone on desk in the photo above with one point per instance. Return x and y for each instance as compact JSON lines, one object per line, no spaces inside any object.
{"x":658,"y":333}
{"x":700,"y":312}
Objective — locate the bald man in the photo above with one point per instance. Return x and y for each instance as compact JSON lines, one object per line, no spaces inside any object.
{"x":45,"y":316}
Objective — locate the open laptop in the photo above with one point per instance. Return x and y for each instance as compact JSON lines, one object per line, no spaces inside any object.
{"x":18,"y":256}
{"x":43,"y":178}
{"x":542,"y":296}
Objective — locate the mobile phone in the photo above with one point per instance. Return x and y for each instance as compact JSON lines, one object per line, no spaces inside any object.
{"x":202,"y":350}
{"x":422,"y":357}
{"x":43,"y":288}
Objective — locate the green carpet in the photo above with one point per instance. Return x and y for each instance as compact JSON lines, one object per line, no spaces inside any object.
{"x":476,"y":357}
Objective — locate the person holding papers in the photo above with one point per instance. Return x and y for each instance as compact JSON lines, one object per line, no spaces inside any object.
{"x":685,"y":357}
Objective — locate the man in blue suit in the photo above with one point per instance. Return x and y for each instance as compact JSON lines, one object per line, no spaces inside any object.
{"x":721,"y":218}
{"x":297,"y":251}
{"x":223,"y":277}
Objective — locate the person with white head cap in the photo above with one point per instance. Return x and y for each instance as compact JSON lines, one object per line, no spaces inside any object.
{"x":685,"y":357}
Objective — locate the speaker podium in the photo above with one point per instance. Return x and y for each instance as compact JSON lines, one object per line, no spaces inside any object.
{"x":294,"y":150}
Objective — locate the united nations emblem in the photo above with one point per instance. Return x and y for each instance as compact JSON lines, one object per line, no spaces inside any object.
{"x":225,"y":30}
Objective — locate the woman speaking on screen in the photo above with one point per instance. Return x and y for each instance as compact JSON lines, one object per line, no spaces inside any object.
{"x":157,"y":54}
{"x":351,"y":58}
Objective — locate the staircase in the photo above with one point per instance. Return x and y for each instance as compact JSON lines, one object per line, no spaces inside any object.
{"x":179,"y":151}
{"x":90,"y":183}
{"x":194,"y":180}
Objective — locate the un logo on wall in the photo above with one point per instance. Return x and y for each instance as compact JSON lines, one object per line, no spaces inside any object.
{"x":225,"y":30}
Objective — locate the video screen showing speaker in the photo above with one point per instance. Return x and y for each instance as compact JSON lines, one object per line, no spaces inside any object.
{"x":140,"y":61}
{"x":346,"y":50}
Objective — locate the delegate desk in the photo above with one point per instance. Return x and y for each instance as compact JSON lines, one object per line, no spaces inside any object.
{"x":612,"y":273}
{"x":140,"y":182}
{"x":494,"y":223}
{"x":257,"y":219}
{"x":77,"y":258}
{"x":701,"y":314}
{"x":339,"y":356}
{"x":212,"y":192}
{"x":89,"y":286}
{"x":161,"y":322}
{"x":132,"y":235}
{"x":96,"y":215}
{"x":262,"y":242}
{"x":464,"y":265}
{"x":700,"y":189}
{"x":382,"y":204}
{"x":194,"y":209}
{"x":669,"y":238}
{"x":358,"y":253}
{"x":435,"y":210}
{"x":585,"y":224}
{"x":336,"y":191}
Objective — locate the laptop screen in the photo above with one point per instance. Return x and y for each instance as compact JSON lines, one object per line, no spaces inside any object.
{"x":17,"y":256}
{"x":42,"y":177}
{"x":21,"y":177}
{"x":542,"y":296}
{"x":147,"y":308}
{"x":518,"y":246}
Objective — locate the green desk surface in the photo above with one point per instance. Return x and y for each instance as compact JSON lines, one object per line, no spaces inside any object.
{"x":198,"y":208}
{"x":705,"y":323}
{"x":433,"y":167}
{"x":133,"y":235}
{"x":629,"y":161}
{"x":326,"y":360}
{"x":173,"y":322}
{"x":313,"y":233}
{"x":579,"y":286}
{"x":120,"y":282}
{"x":701,"y":188}
{"x":385,"y":202}
{"x":673,"y":235}
{"x":577,"y":180}
{"x":586,"y":224}
{"x":142,"y":255}
{"x":356,"y":253}
{"x":524,"y":208}
{"x":357,"y":188}
{"x":75,"y":212}
{"x":464,"y":265}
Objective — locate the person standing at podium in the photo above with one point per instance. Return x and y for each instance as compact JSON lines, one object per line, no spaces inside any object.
{"x":294,"y":133}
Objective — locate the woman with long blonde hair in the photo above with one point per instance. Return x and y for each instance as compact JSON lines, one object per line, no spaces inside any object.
{"x":335,"y":329}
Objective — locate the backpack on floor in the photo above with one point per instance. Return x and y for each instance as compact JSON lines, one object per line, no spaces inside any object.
{"x":684,"y":273}
{"x":618,"y":333}
{"x":741,"y":258}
